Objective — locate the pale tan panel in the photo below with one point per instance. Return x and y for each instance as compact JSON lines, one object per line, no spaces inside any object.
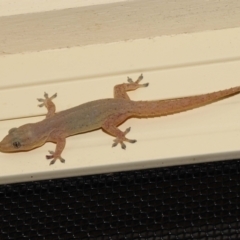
{"x":208,"y":133}
{"x":90,"y":62}
{"x":117,"y":21}
{"x":22,"y":102}
{"x":16,"y":7}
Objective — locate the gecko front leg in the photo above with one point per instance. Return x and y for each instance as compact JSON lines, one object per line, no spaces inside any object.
{"x":60,"y":140}
{"x":56,"y":136}
{"x":48,"y":103}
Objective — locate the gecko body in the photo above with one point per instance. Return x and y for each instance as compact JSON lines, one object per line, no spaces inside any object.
{"x":105,"y":113}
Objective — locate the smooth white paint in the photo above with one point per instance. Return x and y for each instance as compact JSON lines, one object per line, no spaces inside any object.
{"x":175,"y":66}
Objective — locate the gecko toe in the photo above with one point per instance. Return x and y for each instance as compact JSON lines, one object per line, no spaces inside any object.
{"x":123,"y":145}
{"x":53,"y":96}
{"x":140,"y":78}
{"x":51,"y":155}
{"x":130,"y":80}
{"x":52,"y":162}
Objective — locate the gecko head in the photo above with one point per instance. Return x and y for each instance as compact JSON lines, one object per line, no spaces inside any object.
{"x":19,"y":139}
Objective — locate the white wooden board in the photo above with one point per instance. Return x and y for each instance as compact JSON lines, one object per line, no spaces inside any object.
{"x":175,"y":66}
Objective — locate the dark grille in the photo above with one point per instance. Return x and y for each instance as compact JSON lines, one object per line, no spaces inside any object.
{"x":186,"y":202}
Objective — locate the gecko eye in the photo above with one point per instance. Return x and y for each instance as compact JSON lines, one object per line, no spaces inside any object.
{"x":16,"y":144}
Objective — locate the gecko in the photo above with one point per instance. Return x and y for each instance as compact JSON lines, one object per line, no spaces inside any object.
{"x":106,"y":114}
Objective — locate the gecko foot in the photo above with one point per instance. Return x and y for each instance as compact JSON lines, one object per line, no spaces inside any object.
{"x":54,"y":157}
{"x":136,"y":83}
{"x":122,"y":139}
{"x":46,"y":99}
{"x":48,"y":103}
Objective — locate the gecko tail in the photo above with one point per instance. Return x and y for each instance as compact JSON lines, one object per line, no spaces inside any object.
{"x":176,"y":105}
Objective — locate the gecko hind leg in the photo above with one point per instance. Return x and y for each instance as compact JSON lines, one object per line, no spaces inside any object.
{"x":48,"y":103}
{"x":110,"y":126}
{"x":120,"y":91}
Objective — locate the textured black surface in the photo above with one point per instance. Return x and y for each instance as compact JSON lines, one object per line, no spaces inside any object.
{"x":187,"y":202}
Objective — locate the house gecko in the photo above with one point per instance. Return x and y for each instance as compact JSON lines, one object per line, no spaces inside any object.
{"x":107,"y":114}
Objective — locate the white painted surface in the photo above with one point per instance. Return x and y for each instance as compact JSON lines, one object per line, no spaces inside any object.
{"x":175,"y":66}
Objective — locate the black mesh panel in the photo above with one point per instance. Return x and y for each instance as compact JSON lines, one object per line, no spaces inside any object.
{"x":186,"y":202}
